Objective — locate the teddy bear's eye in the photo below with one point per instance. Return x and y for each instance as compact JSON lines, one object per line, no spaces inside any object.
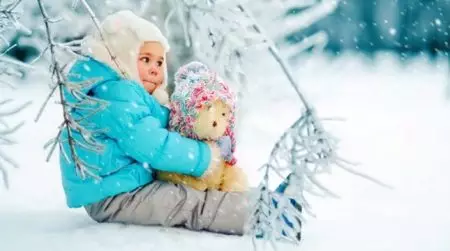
{"x":223,"y":114}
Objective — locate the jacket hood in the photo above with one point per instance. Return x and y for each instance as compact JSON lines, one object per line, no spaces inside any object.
{"x":122,"y":34}
{"x":86,"y":74}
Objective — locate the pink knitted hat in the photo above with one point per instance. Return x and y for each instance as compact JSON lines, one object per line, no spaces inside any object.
{"x":195,"y":86}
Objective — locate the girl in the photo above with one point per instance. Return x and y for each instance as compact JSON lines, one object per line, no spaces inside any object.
{"x":136,"y":140}
{"x":133,"y":132}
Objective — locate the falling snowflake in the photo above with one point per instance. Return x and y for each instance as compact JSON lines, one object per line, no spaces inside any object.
{"x":86,"y":67}
{"x":134,"y":104}
{"x":438,"y":22}
{"x":104,"y":88}
{"x":130,"y":124}
{"x":169,"y":156}
{"x":191,"y":155}
{"x":392,"y":31}
{"x":145,"y":165}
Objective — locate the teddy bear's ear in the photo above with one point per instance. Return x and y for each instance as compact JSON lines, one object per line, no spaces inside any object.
{"x":191,"y":70}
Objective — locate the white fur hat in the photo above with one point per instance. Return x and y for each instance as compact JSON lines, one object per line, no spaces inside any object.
{"x":124,"y":32}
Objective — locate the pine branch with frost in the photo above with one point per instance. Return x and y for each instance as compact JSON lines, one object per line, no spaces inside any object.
{"x":301,"y":154}
{"x":221,"y":34}
{"x":272,"y":15}
{"x":218,"y":34}
{"x":224,"y":30}
{"x":72,"y":124}
{"x":7,"y":110}
{"x":311,"y":14}
{"x":9,"y":69}
{"x":97,"y":26}
{"x":10,"y":18}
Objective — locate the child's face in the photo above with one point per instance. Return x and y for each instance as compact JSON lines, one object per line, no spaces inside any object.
{"x":150,"y":65}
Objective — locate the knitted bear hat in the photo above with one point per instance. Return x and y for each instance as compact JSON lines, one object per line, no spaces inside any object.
{"x":196,"y":86}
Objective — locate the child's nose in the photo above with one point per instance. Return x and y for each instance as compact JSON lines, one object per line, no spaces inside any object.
{"x":153,"y":70}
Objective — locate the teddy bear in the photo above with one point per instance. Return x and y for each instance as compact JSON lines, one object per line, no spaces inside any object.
{"x":202,"y":107}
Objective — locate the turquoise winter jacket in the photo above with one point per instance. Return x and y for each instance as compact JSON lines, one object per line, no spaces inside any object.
{"x":133,"y":135}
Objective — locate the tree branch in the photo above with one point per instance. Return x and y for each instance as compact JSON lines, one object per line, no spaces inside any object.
{"x":69,"y":125}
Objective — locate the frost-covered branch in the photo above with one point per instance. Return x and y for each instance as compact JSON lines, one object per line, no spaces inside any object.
{"x":6,"y":132}
{"x":317,"y":41}
{"x":97,"y":25}
{"x":9,"y":18}
{"x":221,"y":32}
{"x":276,"y":54}
{"x":273,"y":14}
{"x":218,"y":34}
{"x":74,"y":129}
{"x":304,"y":19}
{"x":9,"y":68}
{"x":301,"y":154}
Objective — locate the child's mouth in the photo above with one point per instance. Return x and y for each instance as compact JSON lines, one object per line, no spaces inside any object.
{"x":149,"y":84}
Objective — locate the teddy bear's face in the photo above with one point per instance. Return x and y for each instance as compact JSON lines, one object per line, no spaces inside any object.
{"x":212,"y":120}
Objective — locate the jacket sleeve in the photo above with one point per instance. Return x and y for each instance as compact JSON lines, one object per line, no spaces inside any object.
{"x":159,"y":111}
{"x":140,"y":132}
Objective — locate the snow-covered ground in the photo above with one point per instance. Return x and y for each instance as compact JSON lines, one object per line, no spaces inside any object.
{"x":397,"y":125}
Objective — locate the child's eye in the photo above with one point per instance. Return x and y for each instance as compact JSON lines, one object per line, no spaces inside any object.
{"x":145,"y":59}
{"x":160,"y":63}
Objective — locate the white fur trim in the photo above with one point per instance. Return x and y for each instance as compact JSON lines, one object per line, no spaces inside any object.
{"x":124,"y":33}
{"x":161,"y":95}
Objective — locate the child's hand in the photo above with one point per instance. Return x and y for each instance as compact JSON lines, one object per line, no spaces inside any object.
{"x":224,"y":144}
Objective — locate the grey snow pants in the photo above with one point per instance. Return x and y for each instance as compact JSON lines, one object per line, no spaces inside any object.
{"x":166,"y":204}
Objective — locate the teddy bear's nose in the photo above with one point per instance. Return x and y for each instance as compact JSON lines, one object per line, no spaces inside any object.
{"x":214,"y":124}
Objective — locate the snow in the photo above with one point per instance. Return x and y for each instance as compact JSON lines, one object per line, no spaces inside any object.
{"x":392,"y":31}
{"x":396,"y":125}
{"x":438,"y":22}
